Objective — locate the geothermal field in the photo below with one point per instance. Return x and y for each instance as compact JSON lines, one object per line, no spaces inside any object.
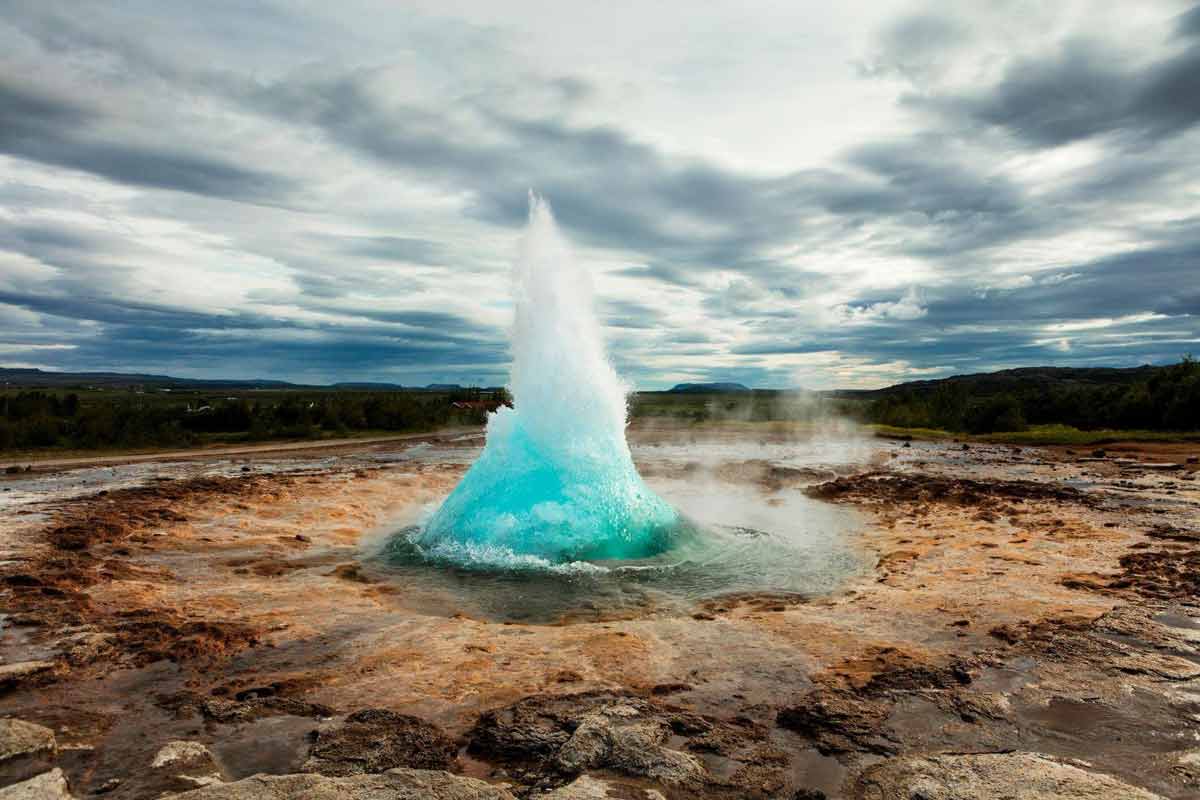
{"x":564,"y":606}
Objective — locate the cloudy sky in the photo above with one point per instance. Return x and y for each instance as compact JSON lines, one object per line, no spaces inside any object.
{"x":781,"y":193}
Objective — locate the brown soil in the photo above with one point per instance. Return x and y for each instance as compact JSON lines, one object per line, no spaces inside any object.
{"x":91,"y":542}
{"x":1019,"y":600}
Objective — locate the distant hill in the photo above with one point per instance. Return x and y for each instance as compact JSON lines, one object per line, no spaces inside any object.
{"x":987,"y":383}
{"x":36,"y":378}
{"x":42,"y":379}
{"x":978,"y":384}
{"x":366,"y":385}
{"x":707,"y":388}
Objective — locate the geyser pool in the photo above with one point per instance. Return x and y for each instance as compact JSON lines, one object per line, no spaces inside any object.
{"x":555,"y":482}
{"x":552,"y":520}
{"x":739,"y":536}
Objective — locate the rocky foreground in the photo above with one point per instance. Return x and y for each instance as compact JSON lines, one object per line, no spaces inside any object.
{"x":1030,"y":629}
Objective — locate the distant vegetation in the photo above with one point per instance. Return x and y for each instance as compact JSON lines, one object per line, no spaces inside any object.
{"x":707,"y":388}
{"x":92,"y":419}
{"x":1038,"y":405}
{"x":1146,"y":398}
{"x":1042,"y":403}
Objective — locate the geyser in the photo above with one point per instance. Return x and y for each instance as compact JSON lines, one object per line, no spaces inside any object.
{"x":555,"y":481}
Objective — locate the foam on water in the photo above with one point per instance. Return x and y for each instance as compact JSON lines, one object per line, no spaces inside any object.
{"x":555,"y":483}
{"x":730,"y":540}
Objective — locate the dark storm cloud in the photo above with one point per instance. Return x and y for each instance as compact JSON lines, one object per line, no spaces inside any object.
{"x":946,"y":200}
{"x":329,"y":279}
{"x":675,"y":274}
{"x":395,"y":248}
{"x":98,"y":308}
{"x":913,"y":46}
{"x":1188,"y":23}
{"x":1084,"y":89}
{"x":785,"y":347}
{"x":606,"y":187}
{"x":631,"y":314}
{"x":25,"y":114}
{"x":1155,"y":280}
{"x":449,"y":325}
{"x":1160,"y":280}
{"x":144,"y":335}
{"x":611,"y":190}
{"x":744,"y":248}
{"x":332,"y":355}
{"x":30,"y":239}
{"x":1144,"y":304}
{"x":919,"y":176}
{"x":39,"y":126}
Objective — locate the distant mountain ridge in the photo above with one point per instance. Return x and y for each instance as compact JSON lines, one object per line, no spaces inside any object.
{"x":44,"y":379}
{"x":708,"y":388}
{"x":981,"y":383}
{"x":1005,"y":380}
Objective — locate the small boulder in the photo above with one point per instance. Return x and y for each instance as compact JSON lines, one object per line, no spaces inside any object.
{"x":177,"y":767}
{"x":185,"y":756}
{"x":621,"y":737}
{"x":47,"y":786}
{"x":25,"y":750}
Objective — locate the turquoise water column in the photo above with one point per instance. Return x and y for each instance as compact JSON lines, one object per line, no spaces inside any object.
{"x":556,"y":481}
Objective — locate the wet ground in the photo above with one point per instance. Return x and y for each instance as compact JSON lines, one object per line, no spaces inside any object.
{"x":928,"y":599}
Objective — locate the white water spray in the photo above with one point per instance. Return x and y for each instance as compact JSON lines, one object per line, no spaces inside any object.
{"x":555,"y":481}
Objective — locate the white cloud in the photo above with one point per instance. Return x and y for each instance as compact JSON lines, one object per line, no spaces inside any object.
{"x":907,"y":308}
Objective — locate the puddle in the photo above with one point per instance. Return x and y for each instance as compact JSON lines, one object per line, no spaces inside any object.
{"x":822,"y":773}
{"x":274,"y":745}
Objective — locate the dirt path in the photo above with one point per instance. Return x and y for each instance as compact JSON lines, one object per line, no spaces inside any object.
{"x":265,"y":448}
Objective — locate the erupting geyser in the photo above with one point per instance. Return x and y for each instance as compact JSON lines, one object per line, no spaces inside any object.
{"x":555,"y":481}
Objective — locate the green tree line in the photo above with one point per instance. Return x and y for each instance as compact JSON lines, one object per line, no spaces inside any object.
{"x":85,"y":420}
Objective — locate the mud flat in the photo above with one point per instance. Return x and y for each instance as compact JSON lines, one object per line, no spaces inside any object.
{"x":1022,"y":623}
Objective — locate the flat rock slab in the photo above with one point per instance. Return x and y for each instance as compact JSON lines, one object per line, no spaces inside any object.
{"x":586,"y":787}
{"x":397,"y":784}
{"x":25,"y":750}
{"x":1013,"y":776}
{"x":47,"y":786}
{"x":19,"y":738}
{"x":12,"y":675}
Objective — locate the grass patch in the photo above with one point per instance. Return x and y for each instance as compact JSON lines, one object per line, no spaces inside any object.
{"x":896,"y":432}
{"x":1043,"y":435}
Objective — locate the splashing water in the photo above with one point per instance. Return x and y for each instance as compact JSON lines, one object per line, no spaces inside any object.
{"x":555,"y":482}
